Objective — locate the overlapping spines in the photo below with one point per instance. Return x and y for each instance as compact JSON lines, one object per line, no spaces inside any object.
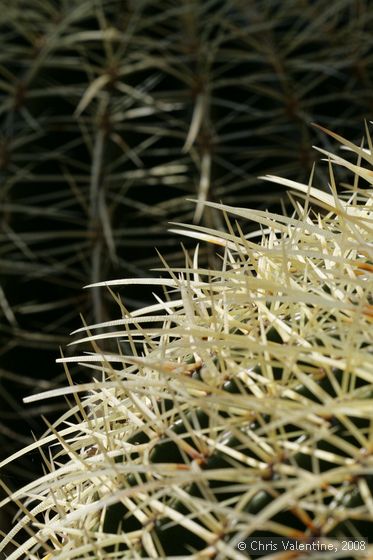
{"x":240,"y":402}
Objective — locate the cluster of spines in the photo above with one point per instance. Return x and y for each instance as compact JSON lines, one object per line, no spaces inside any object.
{"x":240,"y":402}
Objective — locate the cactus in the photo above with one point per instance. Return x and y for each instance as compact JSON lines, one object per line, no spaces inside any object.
{"x":112,"y":113}
{"x":238,"y":404}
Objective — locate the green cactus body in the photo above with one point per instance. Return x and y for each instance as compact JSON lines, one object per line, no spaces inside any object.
{"x":238,"y":405}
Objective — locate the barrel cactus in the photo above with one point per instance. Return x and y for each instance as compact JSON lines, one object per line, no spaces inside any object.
{"x":239,"y":404}
{"x":113,"y":112}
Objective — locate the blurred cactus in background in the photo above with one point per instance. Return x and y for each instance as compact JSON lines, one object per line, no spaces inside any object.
{"x":113,"y":113}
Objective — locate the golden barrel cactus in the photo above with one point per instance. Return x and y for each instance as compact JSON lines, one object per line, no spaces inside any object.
{"x":239,"y":404}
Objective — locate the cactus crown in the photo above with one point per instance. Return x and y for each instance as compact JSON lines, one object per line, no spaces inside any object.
{"x":239,"y":404}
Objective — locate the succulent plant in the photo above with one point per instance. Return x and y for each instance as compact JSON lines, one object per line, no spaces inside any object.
{"x":239,"y":404}
{"x":112,"y":113}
